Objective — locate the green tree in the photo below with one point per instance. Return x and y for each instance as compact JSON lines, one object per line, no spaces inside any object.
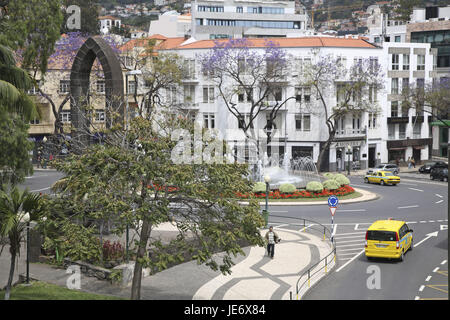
{"x":16,"y":209}
{"x":16,"y":109}
{"x":138,"y":182}
{"x":35,"y":36}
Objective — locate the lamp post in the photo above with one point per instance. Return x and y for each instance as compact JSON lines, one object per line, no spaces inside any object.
{"x":266,"y":211}
{"x":44,"y":152}
{"x":349,"y":152}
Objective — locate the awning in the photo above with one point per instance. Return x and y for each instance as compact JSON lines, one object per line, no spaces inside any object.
{"x":397,"y":149}
{"x":419,"y":147}
{"x":443,"y":123}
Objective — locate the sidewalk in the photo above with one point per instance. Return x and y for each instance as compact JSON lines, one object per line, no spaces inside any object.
{"x":254,"y":276}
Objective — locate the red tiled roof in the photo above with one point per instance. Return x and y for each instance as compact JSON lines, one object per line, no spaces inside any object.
{"x":287,"y":43}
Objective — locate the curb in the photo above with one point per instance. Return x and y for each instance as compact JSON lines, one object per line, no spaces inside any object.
{"x":370,"y":196}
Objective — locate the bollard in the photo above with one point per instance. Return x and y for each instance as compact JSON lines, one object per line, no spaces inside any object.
{"x":290,"y":295}
{"x":325,"y":264}
{"x":309,"y":282}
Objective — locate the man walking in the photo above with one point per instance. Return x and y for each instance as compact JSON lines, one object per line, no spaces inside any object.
{"x":271,"y":238}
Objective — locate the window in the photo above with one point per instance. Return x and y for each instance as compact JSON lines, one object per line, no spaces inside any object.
{"x":101,"y":86}
{"x":239,"y":10}
{"x":303,"y":94}
{"x":372,"y":120}
{"x":243,"y":120}
{"x":172,"y":95}
{"x":100,"y":115}
{"x":397,"y":39}
{"x":356,"y":124}
{"x":394,"y":109}
{"x":209,"y":120}
{"x":34,"y":121}
{"x":405,"y":109}
{"x":275,"y":94}
{"x":189,"y":69}
{"x":189,"y":93}
{"x":245,"y":95}
{"x":395,"y":61}
{"x":65,"y":116}
{"x":405,"y":84}
{"x":64,"y":86}
{"x":402,"y":130}
{"x":406,"y":62}
{"x":394,"y":86}
{"x":420,"y":62}
{"x":373,"y":93}
{"x":208,"y":94}
{"x":417,"y":130}
{"x":131,"y":87}
{"x":302,"y":122}
{"x":391,"y":131}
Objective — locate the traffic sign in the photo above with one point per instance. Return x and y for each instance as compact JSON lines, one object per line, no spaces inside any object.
{"x":333,"y":201}
{"x":332,"y":210}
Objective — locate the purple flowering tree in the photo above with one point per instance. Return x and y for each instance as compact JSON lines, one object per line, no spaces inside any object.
{"x":245,"y":74}
{"x":340,"y":91}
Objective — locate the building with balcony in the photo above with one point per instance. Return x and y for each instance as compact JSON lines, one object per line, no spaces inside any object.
{"x":372,"y":137}
{"x":216,"y":19}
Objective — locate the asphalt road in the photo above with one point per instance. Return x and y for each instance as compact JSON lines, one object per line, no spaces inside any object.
{"x":420,"y":202}
{"x":422,"y":275}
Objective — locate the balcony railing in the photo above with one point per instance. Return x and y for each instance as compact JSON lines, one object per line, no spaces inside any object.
{"x":350,"y":133}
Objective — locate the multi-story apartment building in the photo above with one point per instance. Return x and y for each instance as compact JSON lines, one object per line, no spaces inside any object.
{"x":384,"y":136}
{"x":213,"y":19}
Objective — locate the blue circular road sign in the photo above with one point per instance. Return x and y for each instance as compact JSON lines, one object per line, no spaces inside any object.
{"x":333,"y":201}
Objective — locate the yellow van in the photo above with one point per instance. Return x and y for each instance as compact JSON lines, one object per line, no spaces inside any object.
{"x":388,"y":239}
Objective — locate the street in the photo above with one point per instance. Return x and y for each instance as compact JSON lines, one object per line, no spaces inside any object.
{"x":420,"y":202}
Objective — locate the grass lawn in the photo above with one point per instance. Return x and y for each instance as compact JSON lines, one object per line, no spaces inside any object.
{"x":46,"y":291}
{"x":353,"y":195}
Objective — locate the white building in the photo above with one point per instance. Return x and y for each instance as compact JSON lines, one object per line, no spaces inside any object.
{"x":107,"y":22}
{"x":386,"y":136}
{"x":214,"y":19}
{"x":171,"y":24}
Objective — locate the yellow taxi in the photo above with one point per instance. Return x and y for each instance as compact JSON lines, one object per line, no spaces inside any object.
{"x":381,"y":177}
{"x":388,"y":239}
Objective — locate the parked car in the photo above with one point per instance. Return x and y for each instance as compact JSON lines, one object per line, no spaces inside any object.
{"x":439,"y":174}
{"x":385,"y":167}
{"x":426,"y":168}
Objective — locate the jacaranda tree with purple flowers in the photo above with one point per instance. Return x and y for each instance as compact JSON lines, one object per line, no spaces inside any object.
{"x":340,"y":91}
{"x":249,"y":80}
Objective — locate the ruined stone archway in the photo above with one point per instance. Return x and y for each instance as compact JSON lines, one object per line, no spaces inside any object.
{"x":94,"y":47}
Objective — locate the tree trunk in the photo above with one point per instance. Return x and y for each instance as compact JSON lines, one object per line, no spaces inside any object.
{"x":322,"y":152}
{"x":11,"y":274}
{"x":142,"y":250}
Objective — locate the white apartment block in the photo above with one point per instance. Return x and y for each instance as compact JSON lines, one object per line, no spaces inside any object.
{"x":107,"y":22}
{"x":215,"y":19}
{"x":373,"y":138}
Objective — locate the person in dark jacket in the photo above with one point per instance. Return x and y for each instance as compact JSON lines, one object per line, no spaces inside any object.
{"x":271,"y":238}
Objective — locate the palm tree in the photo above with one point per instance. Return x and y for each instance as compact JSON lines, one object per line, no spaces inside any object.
{"x":14,"y":82}
{"x":16,"y":208}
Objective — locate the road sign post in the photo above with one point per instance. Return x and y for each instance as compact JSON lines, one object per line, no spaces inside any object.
{"x":332,"y":204}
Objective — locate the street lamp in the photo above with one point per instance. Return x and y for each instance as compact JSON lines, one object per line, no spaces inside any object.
{"x":44,"y":152}
{"x":266,"y":211}
{"x":349,"y":152}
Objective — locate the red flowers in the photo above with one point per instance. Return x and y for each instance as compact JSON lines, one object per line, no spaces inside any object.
{"x":299,"y":194}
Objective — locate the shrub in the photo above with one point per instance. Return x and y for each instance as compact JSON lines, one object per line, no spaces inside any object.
{"x":112,"y":251}
{"x":328,"y":175}
{"x":331,"y":184}
{"x":341,"y":179}
{"x":287,"y":188}
{"x":314,"y":186}
{"x":259,"y":187}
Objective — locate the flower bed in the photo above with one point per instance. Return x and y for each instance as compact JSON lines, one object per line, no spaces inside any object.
{"x":299,"y":194}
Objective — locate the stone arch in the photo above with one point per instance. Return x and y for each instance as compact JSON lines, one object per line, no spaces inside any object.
{"x":94,"y":47}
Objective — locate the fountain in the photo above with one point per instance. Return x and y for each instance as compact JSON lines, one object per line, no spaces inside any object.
{"x":298,"y":171}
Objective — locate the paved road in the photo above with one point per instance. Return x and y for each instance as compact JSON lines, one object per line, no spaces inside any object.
{"x":420,"y":202}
